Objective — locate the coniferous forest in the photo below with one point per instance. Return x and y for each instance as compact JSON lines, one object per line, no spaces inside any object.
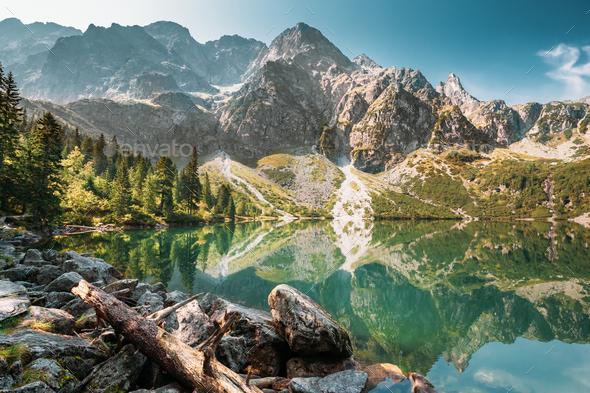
{"x":53,"y":174}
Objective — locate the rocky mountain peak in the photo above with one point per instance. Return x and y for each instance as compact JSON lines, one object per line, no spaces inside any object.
{"x":367,"y":63}
{"x":453,"y":89}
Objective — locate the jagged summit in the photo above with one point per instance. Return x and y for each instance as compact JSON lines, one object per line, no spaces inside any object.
{"x":366,"y":63}
{"x":453,"y":89}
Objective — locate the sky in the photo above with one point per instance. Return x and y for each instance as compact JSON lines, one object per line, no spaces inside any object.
{"x":518,"y":51}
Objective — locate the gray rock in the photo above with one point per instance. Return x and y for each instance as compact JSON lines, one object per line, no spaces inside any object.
{"x":190,"y":324}
{"x":76,"y":353}
{"x":92,"y":269}
{"x":61,"y":322}
{"x":56,"y":377}
{"x":58,"y":299}
{"x":13,"y":300}
{"x":159,"y":288}
{"x":308,"y":328}
{"x":19,"y":273}
{"x":77,"y":307}
{"x":266,"y":345}
{"x":140,"y":290}
{"x":120,"y":285}
{"x":3,"y":264}
{"x":3,"y":365}
{"x":120,"y":373}
{"x":171,"y":388}
{"x":64,"y":283}
{"x":50,"y":255}
{"x":350,"y":381}
{"x":46,"y":274}
{"x":34,"y":258}
{"x":319,"y":366}
{"x":6,"y":382}
{"x":232,"y":353}
{"x":67,"y":255}
{"x":35,"y":387}
{"x":16,"y":371}
{"x":175,"y":297}
{"x":305,"y":385}
{"x":152,"y":301}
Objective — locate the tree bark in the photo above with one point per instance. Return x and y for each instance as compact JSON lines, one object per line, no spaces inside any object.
{"x":175,"y":357}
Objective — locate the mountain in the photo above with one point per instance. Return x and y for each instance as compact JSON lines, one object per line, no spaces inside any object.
{"x":221,"y":62}
{"x":19,"y":41}
{"x":366,"y":62}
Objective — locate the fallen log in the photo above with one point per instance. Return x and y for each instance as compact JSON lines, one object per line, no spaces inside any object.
{"x":198,"y":370}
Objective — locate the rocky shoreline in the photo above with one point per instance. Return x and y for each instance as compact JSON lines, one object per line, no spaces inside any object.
{"x":52,"y":341}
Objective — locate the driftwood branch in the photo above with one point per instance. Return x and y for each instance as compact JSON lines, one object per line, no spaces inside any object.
{"x":181,"y":361}
{"x":159,"y":315}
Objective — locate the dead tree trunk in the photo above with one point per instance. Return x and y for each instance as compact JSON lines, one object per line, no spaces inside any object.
{"x":198,"y":370}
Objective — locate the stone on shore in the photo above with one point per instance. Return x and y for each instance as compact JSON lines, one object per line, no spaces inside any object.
{"x":119,"y":374}
{"x":190,"y":324}
{"x":174,"y":297}
{"x":60,"y":321}
{"x":34,"y":258}
{"x":266,"y":347}
{"x":152,"y":302}
{"x":35,"y":387}
{"x":308,"y":328}
{"x":45,"y":274}
{"x":421,"y":384}
{"x":120,"y":285}
{"x":350,"y":381}
{"x":170,"y":388}
{"x":92,"y":269}
{"x":305,"y":385}
{"x":319,"y":366}
{"x":58,"y":378}
{"x":64,"y":283}
{"x":58,"y":299}
{"x":380,"y":372}
{"x":13,"y":299}
{"x":77,"y":354}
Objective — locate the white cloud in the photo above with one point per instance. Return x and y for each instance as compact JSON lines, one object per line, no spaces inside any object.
{"x":570,"y":68}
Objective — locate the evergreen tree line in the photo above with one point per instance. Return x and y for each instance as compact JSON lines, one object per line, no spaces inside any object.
{"x":54,"y":174}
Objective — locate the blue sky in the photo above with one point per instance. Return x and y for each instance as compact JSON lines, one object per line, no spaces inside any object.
{"x":490,"y":45}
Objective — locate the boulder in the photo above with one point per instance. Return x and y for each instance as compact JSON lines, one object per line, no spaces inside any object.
{"x":46,"y":274}
{"x":308,"y":328}
{"x":266,"y":346}
{"x":120,"y":285}
{"x":159,"y":288}
{"x":170,"y":388}
{"x":92,"y":269}
{"x":13,"y":299}
{"x":3,"y":264}
{"x":76,"y":353}
{"x":35,"y":387}
{"x":190,"y":324}
{"x":6,"y":382}
{"x":152,"y":302}
{"x":58,"y":299}
{"x":67,"y":255}
{"x":319,"y":366}
{"x":350,"y":381}
{"x":34,"y":258}
{"x":140,"y":290}
{"x":64,"y":283}
{"x":61,"y":322}
{"x":173,"y":298}
{"x":19,"y":273}
{"x":16,"y":371}
{"x":49,"y":255}
{"x":76,"y":308}
{"x":378,"y":373}
{"x":232,"y":353}
{"x":58,"y":378}
{"x":421,"y":384}
{"x":120,"y":372}
{"x":305,"y":385}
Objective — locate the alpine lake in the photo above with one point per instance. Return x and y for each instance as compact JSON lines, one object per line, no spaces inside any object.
{"x":475,"y":307}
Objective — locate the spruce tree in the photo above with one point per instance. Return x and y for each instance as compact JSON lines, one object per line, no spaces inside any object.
{"x":223,"y":195}
{"x":120,"y":192}
{"x":88,"y":149}
{"x":99,"y":157}
{"x":77,"y":140}
{"x":192,"y":182}
{"x":43,"y":168}
{"x":149,"y":193}
{"x":165,"y":172}
{"x":139,"y":175}
{"x":207,"y":194}
{"x":230,"y":210}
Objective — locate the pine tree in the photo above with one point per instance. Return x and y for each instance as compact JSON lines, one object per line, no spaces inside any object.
{"x":99,"y":157}
{"x":43,"y":169}
{"x":119,"y":194}
{"x":192,"y":185}
{"x":139,"y":176}
{"x":149,"y":193}
{"x":223,"y":195}
{"x":77,"y":140}
{"x":88,"y":149}
{"x":230,"y":210}
{"x":165,"y":172}
{"x":207,"y":194}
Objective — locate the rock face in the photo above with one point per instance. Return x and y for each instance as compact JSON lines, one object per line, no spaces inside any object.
{"x":265,"y":346}
{"x":308,"y":329}
{"x":119,"y":373}
{"x":13,"y":299}
{"x":453,"y":89}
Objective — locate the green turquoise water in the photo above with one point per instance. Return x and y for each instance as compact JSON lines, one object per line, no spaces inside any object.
{"x":478,"y":307}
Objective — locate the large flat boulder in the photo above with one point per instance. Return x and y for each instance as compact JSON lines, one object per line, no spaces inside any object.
{"x":60,"y":321}
{"x":119,"y":374}
{"x":308,"y":328}
{"x":76,"y":353}
{"x":34,"y":258}
{"x":13,"y":300}
{"x":350,"y":381}
{"x":266,"y":348}
{"x":58,"y":299}
{"x":64,"y":283}
{"x":35,"y":387}
{"x":92,"y":269}
{"x":190,"y":324}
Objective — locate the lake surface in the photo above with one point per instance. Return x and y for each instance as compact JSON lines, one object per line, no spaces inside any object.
{"x":477,"y":307}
